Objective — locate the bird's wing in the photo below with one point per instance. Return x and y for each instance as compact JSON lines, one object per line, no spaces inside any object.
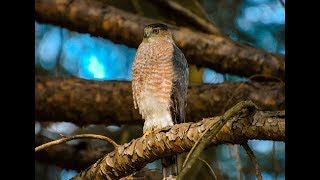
{"x":180,"y":86}
{"x":136,"y":78}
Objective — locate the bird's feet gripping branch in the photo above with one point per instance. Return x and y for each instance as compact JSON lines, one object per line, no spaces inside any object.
{"x":149,"y":132}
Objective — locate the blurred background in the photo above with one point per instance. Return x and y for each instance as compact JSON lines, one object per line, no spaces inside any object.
{"x":60,"y":52}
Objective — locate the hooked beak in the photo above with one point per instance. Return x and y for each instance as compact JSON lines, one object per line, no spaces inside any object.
{"x":146,"y":34}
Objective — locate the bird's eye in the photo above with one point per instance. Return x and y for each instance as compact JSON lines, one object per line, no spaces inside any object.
{"x":155,"y":31}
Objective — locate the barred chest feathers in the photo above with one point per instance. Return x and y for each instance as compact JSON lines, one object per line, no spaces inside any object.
{"x":153,"y":75}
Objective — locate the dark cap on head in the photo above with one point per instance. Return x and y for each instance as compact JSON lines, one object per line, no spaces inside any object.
{"x":158,"y":25}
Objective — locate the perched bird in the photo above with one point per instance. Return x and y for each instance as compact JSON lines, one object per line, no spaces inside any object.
{"x":159,"y":84}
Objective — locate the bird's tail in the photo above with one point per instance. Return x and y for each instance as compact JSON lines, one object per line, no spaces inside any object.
{"x":169,"y":167}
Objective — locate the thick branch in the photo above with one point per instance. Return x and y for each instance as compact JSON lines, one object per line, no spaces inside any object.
{"x":180,"y":138}
{"x":86,"y":102}
{"x":213,"y":51}
{"x":79,"y":157}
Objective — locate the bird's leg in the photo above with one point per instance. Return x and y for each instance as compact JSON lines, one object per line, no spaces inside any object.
{"x":149,"y":132}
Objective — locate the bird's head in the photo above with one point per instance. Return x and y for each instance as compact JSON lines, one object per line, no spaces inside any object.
{"x":156,"y":30}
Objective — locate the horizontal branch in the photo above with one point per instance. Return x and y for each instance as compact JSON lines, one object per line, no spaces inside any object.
{"x":208,"y":50}
{"x":80,"y":156}
{"x":67,"y":156}
{"x":180,"y":138}
{"x":86,"y":102}
{"x":81,"y":136}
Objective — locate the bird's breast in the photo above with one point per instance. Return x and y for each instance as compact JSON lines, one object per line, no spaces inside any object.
{"x":154,"y":71}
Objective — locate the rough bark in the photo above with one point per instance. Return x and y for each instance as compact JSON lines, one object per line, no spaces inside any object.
{"x":86,"y":102}
{"x":80,"y":156}
{"x":208,"y":50}
{"x":244,"y":107}
{"x":180,"y":138}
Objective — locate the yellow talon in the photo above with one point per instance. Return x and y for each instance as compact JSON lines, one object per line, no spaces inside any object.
{"x":147,"y":133}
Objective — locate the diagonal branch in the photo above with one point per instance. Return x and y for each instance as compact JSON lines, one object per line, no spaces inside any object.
{"x":211,"y":132}
{"x":253,"y":158}
{"x":207,"y":50}
{"x":86,"y":102}
{"x":201,"y":22}
{"x":282,"y":3}
{"x":179,"y":138}
{"x":209,"y":167}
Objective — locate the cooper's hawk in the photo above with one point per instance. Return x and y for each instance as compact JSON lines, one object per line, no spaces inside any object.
{"x":159,"y":84}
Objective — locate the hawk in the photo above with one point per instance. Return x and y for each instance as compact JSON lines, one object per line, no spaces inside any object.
{"x":159,"y":84}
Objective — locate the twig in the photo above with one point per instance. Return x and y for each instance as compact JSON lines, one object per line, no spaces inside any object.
{"x":209,"y":134}
{"x":273,"y":160}
{"x":205,"y":25}
{"x":254,"y":160}
{"x":275,"y":163}
{"x":257,"y":76}
{"x":211,"y":170}
{"x":237,"y":157}
{"x":203,"y":12}
{"x":81,"y":136}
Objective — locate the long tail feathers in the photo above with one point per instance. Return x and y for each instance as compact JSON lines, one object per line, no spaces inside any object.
{"x":169,"y":167}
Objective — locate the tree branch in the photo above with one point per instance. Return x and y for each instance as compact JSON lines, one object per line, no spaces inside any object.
{"x":86,"y":102}
{"x":180,"y":138}
{"x":208,"y":50}
{"x":80,"y":136}
{"x":254,"y":161}
{"x":145,"y":174}
{"x":282,"y":3}
{"x":209,"y":167}
{"x":201,"y":22}
{"x":211,"y":132}
{"x":238,"y":162}
{"x":67,"y":156}
{"x":82,"y":155}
